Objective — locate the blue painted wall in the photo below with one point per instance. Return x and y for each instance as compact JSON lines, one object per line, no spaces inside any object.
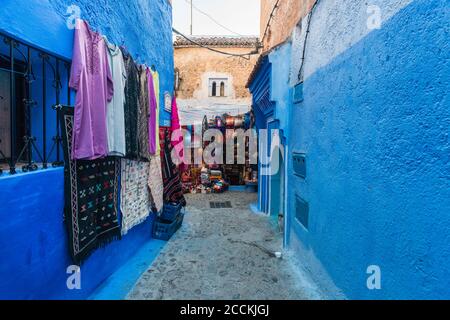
{"x":260,"y":88}
{"x":374,"y":124}
{"x":280,"y":91}
{"x":34,"y":244}
{"x":273,"y":77}
{"x":33,"y":239}
{"x":144,"y":27}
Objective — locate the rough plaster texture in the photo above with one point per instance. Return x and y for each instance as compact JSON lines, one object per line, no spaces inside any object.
{"x":197,"y":65}
{"x":286,"y":17}
{"x":332,"y":20}
{"x":224,"y":254}
{"x":374,"y":126}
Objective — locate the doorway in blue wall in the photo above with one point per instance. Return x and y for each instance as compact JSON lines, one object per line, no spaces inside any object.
{"x":277,"y":192}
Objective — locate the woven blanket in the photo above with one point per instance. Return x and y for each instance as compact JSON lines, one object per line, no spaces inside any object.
{"x":155,"y":183}
{"x":173,"y":189}
{"x":135,"y":197}
{"x":91,"y":195}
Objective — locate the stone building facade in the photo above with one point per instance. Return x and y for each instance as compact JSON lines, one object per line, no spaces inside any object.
{"x":206,"y":78}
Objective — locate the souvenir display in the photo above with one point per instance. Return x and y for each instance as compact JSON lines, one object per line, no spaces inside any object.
{"x":218,"y":178}
{"x":113,"y":132}
{"x":135,"y":197}
{"x":91,"y":186}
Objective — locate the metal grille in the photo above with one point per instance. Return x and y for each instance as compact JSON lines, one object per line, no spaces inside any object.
{"x":221,"y":205}
{"x":302,"y":212}
{"x":265,"y":104}
{"x":33,"y":84}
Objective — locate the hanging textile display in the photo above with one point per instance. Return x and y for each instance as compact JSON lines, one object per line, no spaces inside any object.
{"x":177,"y":144}
{"x":91,"y":78}
{"x":144,"y":114}
{"x":91,"y":189}
{"x":155,"y":75}
{"x":173,"y":190}
{"x":153,"y":132}
{"x":115,"y":120}
{"x":155,"y":183}
{"x":131,"y":106}
{"x":135,"y":198}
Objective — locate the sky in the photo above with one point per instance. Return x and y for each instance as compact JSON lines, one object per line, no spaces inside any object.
{"x":235,"y":16}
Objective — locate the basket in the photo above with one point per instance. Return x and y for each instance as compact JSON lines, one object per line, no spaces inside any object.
{"x":171,"y":211}
{"x":164,"y":230}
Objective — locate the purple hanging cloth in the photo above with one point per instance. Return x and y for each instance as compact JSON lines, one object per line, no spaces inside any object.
{"x":153,"y":114}
{"x":91,"y":78}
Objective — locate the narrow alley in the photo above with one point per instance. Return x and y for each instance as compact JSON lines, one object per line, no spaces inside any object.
{"x":231,"y":150}
{"x":224,"y":254}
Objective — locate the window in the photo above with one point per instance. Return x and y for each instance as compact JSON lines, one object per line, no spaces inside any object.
{"x":11,"y":136}
{"x":214,"y":89}
{"x":222,"y":89}
{"x":33,"y":86}
{"x":177,"y":81}
{"x":218,"y":87}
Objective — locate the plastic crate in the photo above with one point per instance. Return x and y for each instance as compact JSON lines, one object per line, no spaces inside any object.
{"x":171,"y":211}
{"x":164,"y":230}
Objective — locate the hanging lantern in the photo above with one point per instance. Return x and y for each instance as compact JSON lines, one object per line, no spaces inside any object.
{"x":238,"y":122}
{"x":229,"y":122}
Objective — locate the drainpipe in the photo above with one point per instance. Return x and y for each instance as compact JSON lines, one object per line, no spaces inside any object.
{"x":286,"y":191}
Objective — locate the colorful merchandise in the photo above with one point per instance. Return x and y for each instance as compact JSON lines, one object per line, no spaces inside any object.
{"x":179,"y":144}
{"x":115,"y":120}
{"x":91,"y":187}
{"x":91,"y":78}
{"x":135,"y":198}
{"x":143,"y":115}
{"x":173,"y":190}
{"x":155,"y":75}
{"x":155,"y":183}
{"x":153,"y":131}
{"x":132,"y":89}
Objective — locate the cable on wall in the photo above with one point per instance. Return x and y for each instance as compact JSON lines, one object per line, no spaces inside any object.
{"x":300,"y":73}
{"x":272,"y":14}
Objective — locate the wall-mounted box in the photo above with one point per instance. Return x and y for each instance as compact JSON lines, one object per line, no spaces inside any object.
{"x":302,"y":212}
{"x":298,"y":93}
{"x":300,"y":165}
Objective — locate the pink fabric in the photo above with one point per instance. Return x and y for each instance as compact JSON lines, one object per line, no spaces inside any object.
{"x":175,"y":119}
{"x":175,"y":125}
{"x":153,"y":114}
{"x":91,"y":78}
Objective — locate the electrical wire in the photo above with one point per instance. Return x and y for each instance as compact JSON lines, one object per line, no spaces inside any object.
{"x":270,"y":20}
{"x":245,"y":56}
{"x":300,"y":73}
{"x":212,"y":19}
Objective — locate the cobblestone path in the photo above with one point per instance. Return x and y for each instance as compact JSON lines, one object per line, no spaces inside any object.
{"x":225,"y":254}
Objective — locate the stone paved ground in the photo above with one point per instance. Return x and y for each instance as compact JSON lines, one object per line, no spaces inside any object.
{"x":223,"y":254}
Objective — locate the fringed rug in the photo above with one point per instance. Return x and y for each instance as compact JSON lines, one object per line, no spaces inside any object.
{"x":173,"y":189}
{"x":155,"y":183}
{"x":135,"y":197}
{"x":91,"y":196}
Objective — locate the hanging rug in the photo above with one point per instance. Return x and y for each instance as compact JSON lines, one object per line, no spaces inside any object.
{"x":135,"y":197}
{"x":91,"y":196}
